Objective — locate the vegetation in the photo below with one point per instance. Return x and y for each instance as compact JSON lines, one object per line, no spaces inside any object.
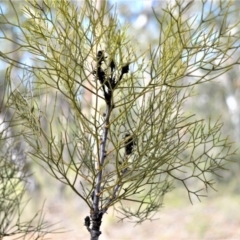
{"x":107,"y":119}
{"x":13,"y":181}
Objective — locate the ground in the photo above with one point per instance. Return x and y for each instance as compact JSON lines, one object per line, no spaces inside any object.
{"x":216,"y":217}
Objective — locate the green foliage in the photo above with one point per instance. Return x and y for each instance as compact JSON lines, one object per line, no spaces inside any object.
{"x":13,"y":180}
{"x":78,"y":126}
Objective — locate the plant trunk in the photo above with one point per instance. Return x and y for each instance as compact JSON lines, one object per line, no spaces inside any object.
{"x":96,"y":223}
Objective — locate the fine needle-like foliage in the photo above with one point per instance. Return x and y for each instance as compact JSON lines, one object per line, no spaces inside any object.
{"x":13,"y":180}
{"x":107,"y":119}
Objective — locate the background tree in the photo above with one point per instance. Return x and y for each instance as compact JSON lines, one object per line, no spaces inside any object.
{"x":13,"y":181}
{"x":136,"y":140}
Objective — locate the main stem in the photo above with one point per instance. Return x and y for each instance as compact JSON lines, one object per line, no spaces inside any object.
{"x":96,"y":215}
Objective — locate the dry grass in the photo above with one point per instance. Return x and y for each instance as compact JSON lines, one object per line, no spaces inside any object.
{"x":216,"y":217}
